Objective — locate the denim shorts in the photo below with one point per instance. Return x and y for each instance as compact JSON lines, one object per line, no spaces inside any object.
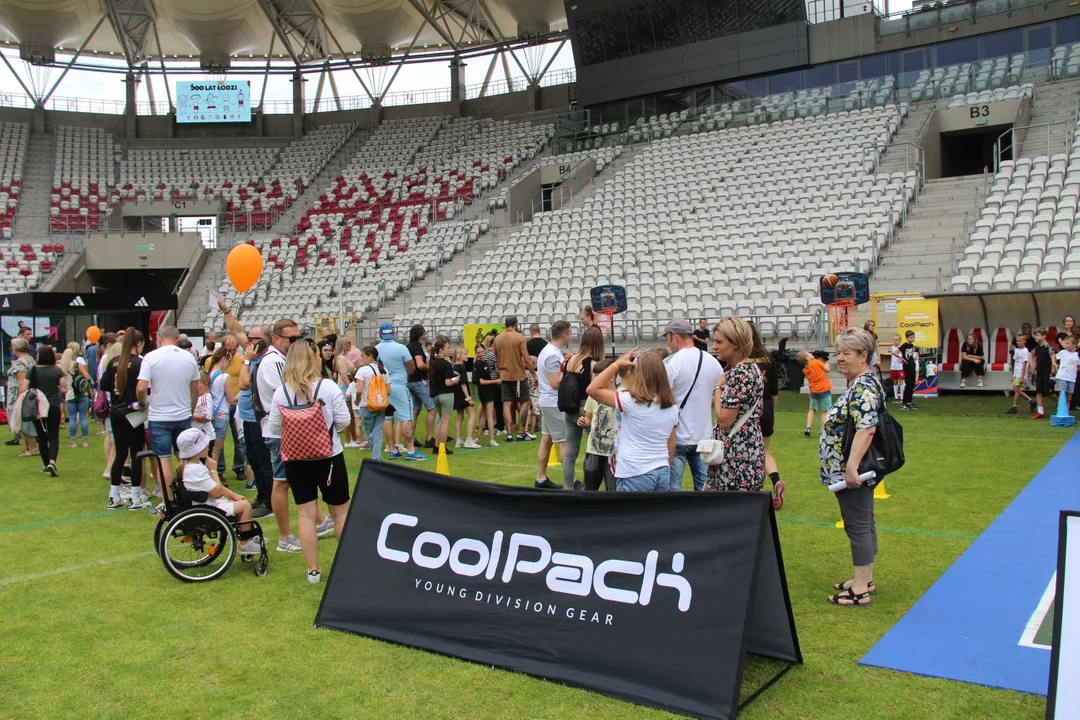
{"x":421,"y":395}
{"x":221,"y":428}
{"x":163,"y":434}
{"x":652,"y":481}
{"x":274,"y":446}
{"x":1066,"y":386}
{"x":821,"y":401}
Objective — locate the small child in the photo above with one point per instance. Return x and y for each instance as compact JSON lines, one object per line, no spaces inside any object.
{"x":1067,"y":361}
{"x":192,"y":446}
{"x":909,"y":356}
{"x":352,"y":399}
{"x":600,"y":419}
{"x":201,"y":418}
{"x":1043,"y":364}
{"x":820,"y":388}
{"x":1021,"y":365}
{"x":463,"y":402}
{"x":896,"y":369}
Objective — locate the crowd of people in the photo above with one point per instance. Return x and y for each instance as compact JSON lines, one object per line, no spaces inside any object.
{"x":641,"y":416}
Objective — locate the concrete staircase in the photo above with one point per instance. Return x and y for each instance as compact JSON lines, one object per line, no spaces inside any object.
{"x":311,"y":193}
{"x":898,"y":154}
{"x":923,"y":245}
{"x":32,"y":221}
{"x":1054,"y":103}
{"x":193,"y":314}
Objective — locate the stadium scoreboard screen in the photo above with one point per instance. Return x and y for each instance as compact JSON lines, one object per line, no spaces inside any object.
{"x":211,"y":101}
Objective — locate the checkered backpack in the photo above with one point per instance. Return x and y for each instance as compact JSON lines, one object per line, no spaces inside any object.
{"x":304,"y":435}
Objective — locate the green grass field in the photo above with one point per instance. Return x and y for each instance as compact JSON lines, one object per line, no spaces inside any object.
{"x":93,"y":627}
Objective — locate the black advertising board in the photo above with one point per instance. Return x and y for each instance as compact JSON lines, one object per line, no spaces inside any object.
{"x":653,"y":598}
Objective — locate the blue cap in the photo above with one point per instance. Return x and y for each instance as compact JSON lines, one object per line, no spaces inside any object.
{"x":386,"y":331}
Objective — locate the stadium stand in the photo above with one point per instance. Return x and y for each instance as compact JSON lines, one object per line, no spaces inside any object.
{"x":82,"y":177}
{"x":13,"y":137}
{"x":193,"y":173}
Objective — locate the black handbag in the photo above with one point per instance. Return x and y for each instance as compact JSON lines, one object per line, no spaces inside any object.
{"x":886,"y":452}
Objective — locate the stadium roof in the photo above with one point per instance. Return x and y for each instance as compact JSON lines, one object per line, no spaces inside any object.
{"x":306,"y":33}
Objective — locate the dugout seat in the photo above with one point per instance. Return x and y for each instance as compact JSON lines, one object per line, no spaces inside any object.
{"x":1000,"y":350}
{"x":950,"y":350}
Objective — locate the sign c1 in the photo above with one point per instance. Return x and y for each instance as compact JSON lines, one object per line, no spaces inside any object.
{"x":586,"y":589}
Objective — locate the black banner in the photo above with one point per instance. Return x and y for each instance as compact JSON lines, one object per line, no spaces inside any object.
{"x":85,"y":303}
{"x":649,"y":597}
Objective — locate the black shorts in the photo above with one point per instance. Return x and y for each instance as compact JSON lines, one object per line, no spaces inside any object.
{"x":515,"y":390}
{"x":768,"y":418}
{"x":1042,"y":383}
{"x":308,"y":478}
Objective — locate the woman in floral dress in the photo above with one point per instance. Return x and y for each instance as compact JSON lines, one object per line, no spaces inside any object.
{"x":739,"y":391}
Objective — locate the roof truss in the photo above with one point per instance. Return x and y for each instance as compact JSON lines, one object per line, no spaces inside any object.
{"x":133,"y":23}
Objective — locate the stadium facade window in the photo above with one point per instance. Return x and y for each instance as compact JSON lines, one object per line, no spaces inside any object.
{"x":847,"y":72}
{"x":731,"y":91}
{"x":616,"y":44}
{"x":723,"y":17}
{"x":1039,"y":42}
{"x":914,"y":60}
{"x":954,"y":52}
{"x":703,"y":97}
{"x":874,"y":66}
{"x":694,"y":20}
{"x":665,"y":17}
{"x":1068,"y":30}
{"x":785,"y":82}
{"x":590,"y":41}
{"x":821,"y":76}
{"x":759,"y":87}
{"x":1000,"y":44}
{"x":639,"y":29}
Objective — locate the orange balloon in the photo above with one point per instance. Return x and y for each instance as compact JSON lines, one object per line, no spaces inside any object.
{"x":93,"y":333}
{"x":243,"y":266}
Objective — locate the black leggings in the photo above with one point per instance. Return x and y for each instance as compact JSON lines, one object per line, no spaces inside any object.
{"x":128,"y":441}
{"x":967,"y":367}
{"x":48,"y":430}
{"x":594,"y":478}
{"x":909,"y":388}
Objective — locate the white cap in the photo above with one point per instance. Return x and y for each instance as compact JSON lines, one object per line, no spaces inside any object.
{"x":191,"y":442}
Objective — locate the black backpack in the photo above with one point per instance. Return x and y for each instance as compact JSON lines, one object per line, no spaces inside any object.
{"x":571,"y":387}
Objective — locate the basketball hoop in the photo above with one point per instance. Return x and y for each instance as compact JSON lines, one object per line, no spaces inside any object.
{"x":842,"y":309}
{"x":603,"y":319}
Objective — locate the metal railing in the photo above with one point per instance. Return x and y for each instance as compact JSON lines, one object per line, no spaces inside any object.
{"x":1007,"y":141}
{"x":949,"y":14}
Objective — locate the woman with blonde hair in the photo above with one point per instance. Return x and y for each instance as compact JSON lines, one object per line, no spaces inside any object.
{"x":301,"y":384}
{"x":646,"y":442}
{"x":737,"y":397}
{"x":80,"y":390}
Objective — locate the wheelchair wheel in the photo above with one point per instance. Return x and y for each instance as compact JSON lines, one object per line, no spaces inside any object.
{"x":197,"y":545}
{"x":157,"y":535}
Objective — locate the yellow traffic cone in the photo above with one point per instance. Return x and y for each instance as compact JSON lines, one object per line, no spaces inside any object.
{"x":553,"y":459}
{"x":442,"y":467}
{"x":839,"y":524}
{"x":880,"y":493}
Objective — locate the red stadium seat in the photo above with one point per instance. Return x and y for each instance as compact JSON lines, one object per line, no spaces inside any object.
{"x":950,"y":350}
{"x":1000,"y":350}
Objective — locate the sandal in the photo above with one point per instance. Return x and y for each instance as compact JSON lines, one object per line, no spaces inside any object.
{"x":855,"y":600}
{"x":870,"y":588}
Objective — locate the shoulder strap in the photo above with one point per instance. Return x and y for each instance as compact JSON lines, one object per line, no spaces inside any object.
{"x":742,"y":420}
{"x":701,"y":358}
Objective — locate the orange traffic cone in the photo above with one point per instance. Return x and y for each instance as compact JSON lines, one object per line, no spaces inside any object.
{"x":442,"y":467}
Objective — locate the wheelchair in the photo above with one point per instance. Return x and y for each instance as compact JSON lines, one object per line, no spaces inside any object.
{"x":198,"y":543}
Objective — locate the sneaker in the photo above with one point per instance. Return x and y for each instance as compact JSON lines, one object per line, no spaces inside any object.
{"x":1011,"y":411}
{"x":326,"y":527}
{"x":52,"y":468}
{"x":13,"y":441}
{"x":431,"y":444}
{"x":449,"y":439}
{"x":1032,"y":405}
{"x":578,"y":485}
{"x":156,"y":493}
{"x":388,"y":449}
{"x":139,"y":501}
{"x":261,"y":511}
{"x":493,"y":444}
{"x":45,"y":470}
{"x":415,"y":455}
{"x":314,"y":577}
{"x":73,"y":443}
{"x":159,"y":510}
{"x":806,"y":432}
{"x":545,"y":484}
{"x":912,"y":406}
{"x":352,"y":444}
{"x":249,"y":485}
{"x":289,"y":544}
{"x":980,"y":382}
{"x":117,"y":504}
{"x":471,"y":444}
{"x":530,"y":436}
{"x":125,"y":492}
{"x":509,"y":437}
{"x":1038,"y":416}
{"x":448,"y":451}
{"x":459,"y":443}
{"x":963,"y":383}
{"x":394,"y":455}
{"x":106,"y":473}
{"x":252,"y":546}
{"x":363,"y":445}
{"x":778,"y":494}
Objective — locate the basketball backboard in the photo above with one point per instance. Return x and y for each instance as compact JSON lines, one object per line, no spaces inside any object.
{"x":608,"y":297}
{"x":860,"y":282}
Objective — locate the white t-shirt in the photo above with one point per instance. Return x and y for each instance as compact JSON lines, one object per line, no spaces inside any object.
{"x":268,"y":377}
{"x":80,"y":360}
{"x":549,"y":361}
{"x":896,"y":364}
{"x":643,"y":435}
{"x":695,"y":420}
{"x":1067,"y":361}
{"x":364,"y":375}
{"x":335,"y":412}
{"x":218,"y":399}
{"x":204,"y":406}
{"x":170,"y":372}
{"x":1021,"y":362}
{"x":197,"y":479}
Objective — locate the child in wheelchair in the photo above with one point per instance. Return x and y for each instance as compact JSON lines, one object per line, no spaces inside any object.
{"x":193,"y":446}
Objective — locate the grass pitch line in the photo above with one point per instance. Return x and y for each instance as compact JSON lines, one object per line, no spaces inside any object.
{"x":56,"y":521}
{"x":1031,"y":630}
{"x":72,"y":568}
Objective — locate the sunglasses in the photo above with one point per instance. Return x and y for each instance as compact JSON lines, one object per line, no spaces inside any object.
{"x":291,"y":338}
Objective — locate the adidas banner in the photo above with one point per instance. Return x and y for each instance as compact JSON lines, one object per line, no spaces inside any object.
{"x":653,"y":598}
{"x":88,"y":302}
